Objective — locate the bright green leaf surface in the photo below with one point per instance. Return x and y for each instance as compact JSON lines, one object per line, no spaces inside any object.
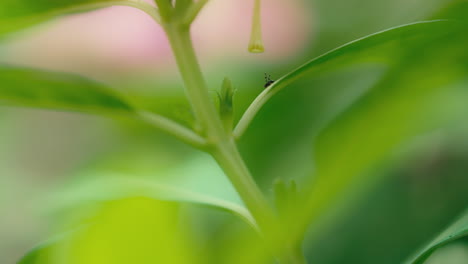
{"x":57,"y":91}
{"x":457,"y":230}
{"x":132,"y":230}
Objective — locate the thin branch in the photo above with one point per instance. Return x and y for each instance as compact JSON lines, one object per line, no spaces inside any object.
{"x":194,"y":10}
{"x":169,"y":126}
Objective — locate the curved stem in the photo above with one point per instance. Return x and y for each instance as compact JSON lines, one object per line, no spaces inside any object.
{"x":257,"y":104}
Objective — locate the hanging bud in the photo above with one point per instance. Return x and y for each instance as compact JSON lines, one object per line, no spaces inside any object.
{"x":226,"y":104}
{"x":256,"y":42}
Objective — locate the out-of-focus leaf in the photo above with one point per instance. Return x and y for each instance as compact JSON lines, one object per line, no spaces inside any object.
{"x":405,"y":103}
{"x":113,"y":187}
{"x":132,"y":230}
{"x":42,"y":251}
{"x":16,"y":14}
{"x":455,"y":9}
{"x":399,"y":109}
{"x":57,"y":91}
{"x":199,"y":181}
{"x":457,"y":230}
{"x":34,"y":255}
{"x":147,"y":174}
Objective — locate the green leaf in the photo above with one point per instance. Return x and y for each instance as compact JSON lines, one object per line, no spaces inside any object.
{"x":199,"y":181}
{"x":136,"y":229}
{"x":130,"y":175}
{"x":17,"y":14}
{"x":113,"y":187}
{"x":57,"y":91}
{"x":428,"y":62}
{"x":34,"y":254}
{"x":455,"y":231}
{"x":382,"y":48}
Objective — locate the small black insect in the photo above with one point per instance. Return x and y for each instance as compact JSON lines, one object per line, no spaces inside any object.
{"x":268,"y":80}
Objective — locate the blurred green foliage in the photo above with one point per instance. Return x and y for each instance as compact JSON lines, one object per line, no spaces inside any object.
{"x":375,"y":138}
{"x":40,"y":89}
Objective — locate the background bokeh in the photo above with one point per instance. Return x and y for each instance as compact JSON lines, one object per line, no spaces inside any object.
{"x":43,"y":154}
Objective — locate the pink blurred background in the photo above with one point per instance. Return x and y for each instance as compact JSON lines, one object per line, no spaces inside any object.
{"x":123,"y":40}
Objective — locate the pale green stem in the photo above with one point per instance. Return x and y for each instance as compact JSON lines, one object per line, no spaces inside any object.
{"x":229,"y":158}
{"x":220,"y":143}
{"x":195,"y":85}
{"x":250,"y":113}
{"x":259,"y":101}
{"x":222,"y":147}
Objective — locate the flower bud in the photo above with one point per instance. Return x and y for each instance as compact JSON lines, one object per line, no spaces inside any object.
{"x":256,"y":42}
{"x":226,"y":104}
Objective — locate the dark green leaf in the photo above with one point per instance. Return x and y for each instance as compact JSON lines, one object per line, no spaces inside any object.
{"x":382,"y":48}
{"x":457,"y":230}
{"x":427,"y":62}
{"x":58,"y":91}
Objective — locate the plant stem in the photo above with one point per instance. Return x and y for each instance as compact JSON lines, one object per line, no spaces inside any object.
{"x":203,"y":107}
{"x":221,"y":143}
{"x":229,"y":158}
{"x":223,"y":147}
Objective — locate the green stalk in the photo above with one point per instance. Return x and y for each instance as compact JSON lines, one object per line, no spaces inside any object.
{"x":222,"y":145}
{"x":195,"y":85}
{"x":230,"y":160}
